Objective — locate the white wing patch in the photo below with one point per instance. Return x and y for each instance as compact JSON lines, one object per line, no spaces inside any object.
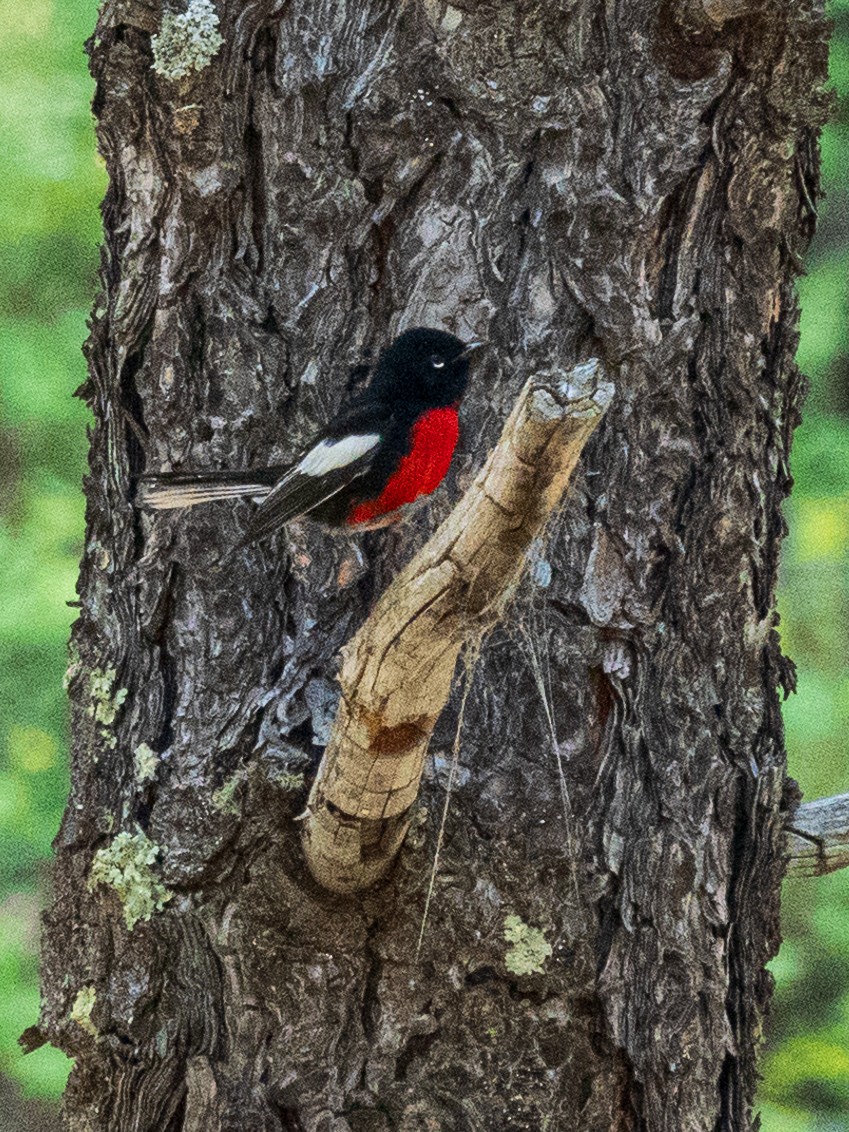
{"x":332,"y":454}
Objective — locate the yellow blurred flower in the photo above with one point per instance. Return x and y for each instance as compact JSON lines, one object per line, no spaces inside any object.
{"x":820,"y":529}
{"x":32,"y":749}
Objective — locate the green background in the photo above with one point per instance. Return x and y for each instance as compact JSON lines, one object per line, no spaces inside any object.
{"x":49,"y":231}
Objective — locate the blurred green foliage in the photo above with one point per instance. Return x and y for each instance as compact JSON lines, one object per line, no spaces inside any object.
{"x":49,"y":231}
{"x":806,"y":1069}
{"x":52,"y":183}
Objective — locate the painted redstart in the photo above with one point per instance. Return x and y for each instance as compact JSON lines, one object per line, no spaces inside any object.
{"x":389,"y":445}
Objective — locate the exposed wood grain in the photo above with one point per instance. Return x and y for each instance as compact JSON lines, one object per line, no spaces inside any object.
{"x":818,"y":837}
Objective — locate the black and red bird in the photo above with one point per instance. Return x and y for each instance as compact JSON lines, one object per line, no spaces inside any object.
{"x":389,"y":445}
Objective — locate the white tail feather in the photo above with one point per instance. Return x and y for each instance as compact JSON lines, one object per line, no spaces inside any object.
{"x":166,"y":497}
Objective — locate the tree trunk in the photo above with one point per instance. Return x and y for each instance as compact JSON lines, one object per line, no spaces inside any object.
{"x":291,"y":184}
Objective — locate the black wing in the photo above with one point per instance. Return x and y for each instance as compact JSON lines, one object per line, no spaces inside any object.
{"x":343,"y":453}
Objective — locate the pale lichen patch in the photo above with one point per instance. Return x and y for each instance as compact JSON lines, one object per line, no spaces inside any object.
{"x":288,"y":780}
{"x":82,"y":1008}
{"x":452,"y":19}
{"x":146,"y":761}
{"x":224,"y":798}
{"x":104,"y":703}
{"x":187,"y":41}
{"x":74,"y":668}
{"x":125,"y":866}
{"x":529,"y":950}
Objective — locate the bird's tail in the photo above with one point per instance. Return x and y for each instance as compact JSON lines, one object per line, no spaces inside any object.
{"x":185,"y":489}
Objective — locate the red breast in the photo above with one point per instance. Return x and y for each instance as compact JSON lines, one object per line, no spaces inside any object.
{"x":421,"y":471}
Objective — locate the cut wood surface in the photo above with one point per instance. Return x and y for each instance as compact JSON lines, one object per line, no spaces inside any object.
{"x":818,"y":837}
{"x":397,"y":671}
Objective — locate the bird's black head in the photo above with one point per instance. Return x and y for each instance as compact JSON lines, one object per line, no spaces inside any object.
{"x":423,"y":367}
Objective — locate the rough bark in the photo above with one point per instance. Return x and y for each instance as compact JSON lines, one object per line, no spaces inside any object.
{"x":565,"y":179}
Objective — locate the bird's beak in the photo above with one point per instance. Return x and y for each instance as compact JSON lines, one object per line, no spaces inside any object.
{"x":471,"y":347}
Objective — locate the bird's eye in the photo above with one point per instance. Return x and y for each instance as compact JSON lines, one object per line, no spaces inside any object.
{"x":437,"y":362}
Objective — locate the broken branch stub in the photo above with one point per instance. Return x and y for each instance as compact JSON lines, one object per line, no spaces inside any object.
{"x":818,"y":837}
{"x":397,"y":671}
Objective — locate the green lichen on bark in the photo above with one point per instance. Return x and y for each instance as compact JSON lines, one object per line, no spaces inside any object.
{"x":82,"y":1008}
{"x":104,"y":703}
{"x":224,"y":798}
{"x":530,"y":948}
{"x":74,"y":667}
{"x":187,"y":41}
{"x":145,"y":760}
{"x":288,"y":780}
{"x":125,"y":865}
